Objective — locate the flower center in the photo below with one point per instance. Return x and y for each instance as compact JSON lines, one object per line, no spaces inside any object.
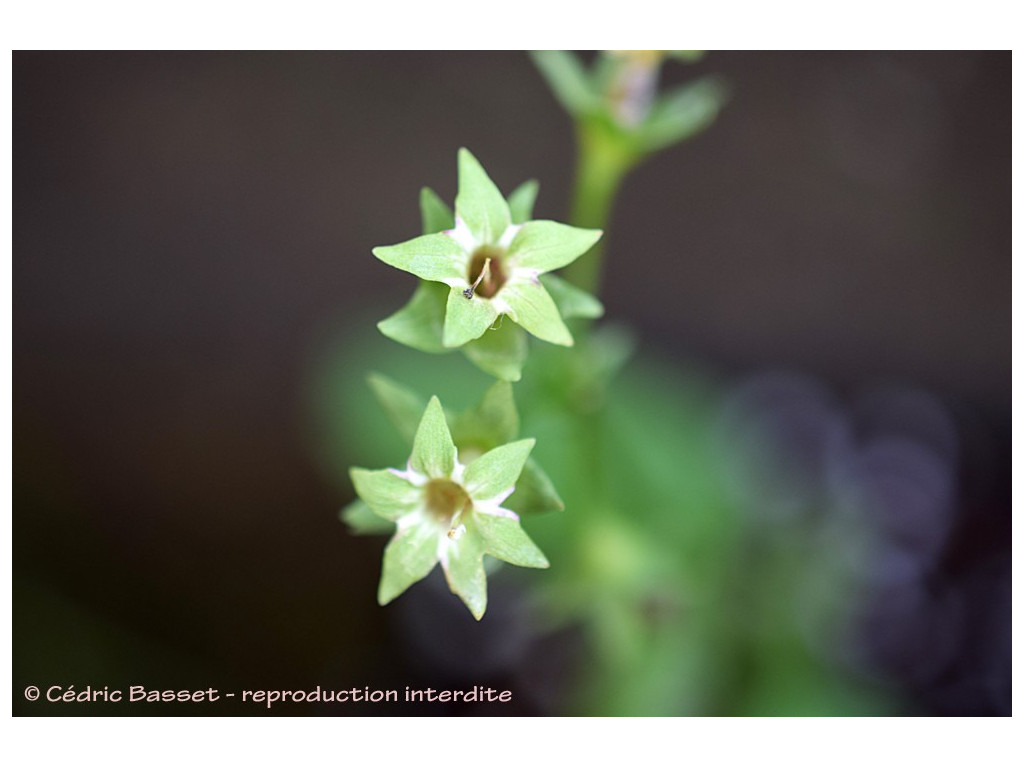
{"x":486,"y":271}
{"x":445,"y":499}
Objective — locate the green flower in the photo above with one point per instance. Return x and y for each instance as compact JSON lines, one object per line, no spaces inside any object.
{"x":486,"y":263}
{"x":490,"y":423}
{"x":448,"y":512}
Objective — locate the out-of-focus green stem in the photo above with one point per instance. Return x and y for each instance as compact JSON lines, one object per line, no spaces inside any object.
{"x":603,"y":162}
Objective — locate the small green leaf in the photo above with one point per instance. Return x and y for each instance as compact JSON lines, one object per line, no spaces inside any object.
{"x":466,"y":318}
{"x":403,"y":406}
{"x":533,"y":308}
{"x":520,"y":202}
{"x":363,"y":521}
{"x":570,"y":300}
{"x":548,"y":245}
{"x":464,"y":569}
{"x":410,"y":556}
{"x":496,"y":472}
{"x":568,"y":80}
{"x":430,"y":257}
{"x":500,"y":352}
{"x":433,"y":452}
{"x":604,"y":70}
{"x":681,"y":113}
{"x":387,"y":494}
{"x":506,"y":540}
{"x":420,"y":323}
{"x":479,"y":203}
{"x":492,"y":422}
{"x":434,"y":211}
{"x":535,"y":493}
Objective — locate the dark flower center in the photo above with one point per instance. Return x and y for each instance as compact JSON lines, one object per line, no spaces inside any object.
{"x":445,"y":499}
{"x":485,"y":270}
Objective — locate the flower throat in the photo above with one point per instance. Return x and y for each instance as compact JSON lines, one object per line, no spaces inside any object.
{"x":486,"y":275}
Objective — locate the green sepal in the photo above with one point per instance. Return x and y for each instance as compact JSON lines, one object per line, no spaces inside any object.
{"x":549,"y":245}
{"x":681,"y":113}
{"x":387,"y":494}
{"x":492,"y":422}
{"x":496,"y":471}
{"x":420,"y":323}
{"x":466,"y":319}
{"x":501,"y":351}
{"x":434,"y":212}
{"x":403,"y":406}
{"x":568,"y":80}
{"x":521,"y":201}
{"x":479,"y":202}
{"x":409,"y":557}
{"x":505,"y":539}
{"x":535,"y":493}
{"x":570,"y":300}
{"x":363,"y":521}
{"x":433,"y":452}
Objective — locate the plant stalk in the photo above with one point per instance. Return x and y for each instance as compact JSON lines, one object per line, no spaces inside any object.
{"x":602,"y":163}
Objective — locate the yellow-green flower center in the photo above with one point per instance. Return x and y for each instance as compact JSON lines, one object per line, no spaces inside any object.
{"x":445,"y":499}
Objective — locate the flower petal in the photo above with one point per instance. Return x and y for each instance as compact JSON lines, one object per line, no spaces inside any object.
{"x":531,"y":306}
{"x":410,"y":556}
{"x":420,"y":323}
{"x":388,"y":494}
{"x":466,"y":319}
{"x":548,"y":245}
{"x":433,"y":452}
{"x":479,"y":203}
{"x":494,"y":474}
{"x":464,"y":569}
{"x":430,"y":257}
{"x":500,"y":352}
{"x":506,"y":540}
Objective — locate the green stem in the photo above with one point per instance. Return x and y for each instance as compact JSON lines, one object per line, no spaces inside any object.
{"x":602,"y":164}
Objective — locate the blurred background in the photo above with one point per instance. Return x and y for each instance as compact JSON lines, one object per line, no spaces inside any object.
{"x":818,"y":287}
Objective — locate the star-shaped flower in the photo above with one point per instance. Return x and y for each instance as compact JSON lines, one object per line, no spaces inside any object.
{"x":449,"y":513}
{"x":488,"y":265}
